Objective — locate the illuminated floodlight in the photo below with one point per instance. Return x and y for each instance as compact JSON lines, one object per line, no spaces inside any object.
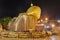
{"x":46,"y":19}
{"x":47,"y":26}
{"x":41,"y":20}
{"x":53,"y":25}
{"x":58,"y":21}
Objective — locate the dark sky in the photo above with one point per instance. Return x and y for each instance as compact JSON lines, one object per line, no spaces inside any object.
{"x":14,"y":7}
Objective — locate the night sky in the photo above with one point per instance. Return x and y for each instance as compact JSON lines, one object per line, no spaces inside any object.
{"x":13,"y":7}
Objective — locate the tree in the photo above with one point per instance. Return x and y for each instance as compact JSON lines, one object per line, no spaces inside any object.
{"x":5,"y":21}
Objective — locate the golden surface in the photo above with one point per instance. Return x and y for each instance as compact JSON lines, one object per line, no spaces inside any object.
{"x":35,"y":11}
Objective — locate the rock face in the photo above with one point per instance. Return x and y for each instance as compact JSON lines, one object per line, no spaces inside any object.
{"x":25,"y":21}
{"x":20,"y":23}
{"x":11,"y":24}
{"x":1,"y":29}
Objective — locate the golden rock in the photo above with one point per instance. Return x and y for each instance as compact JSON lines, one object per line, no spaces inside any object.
{"x":34,"y":11}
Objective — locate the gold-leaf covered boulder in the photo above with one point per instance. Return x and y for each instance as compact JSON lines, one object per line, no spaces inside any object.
{"x":35,"y":11}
